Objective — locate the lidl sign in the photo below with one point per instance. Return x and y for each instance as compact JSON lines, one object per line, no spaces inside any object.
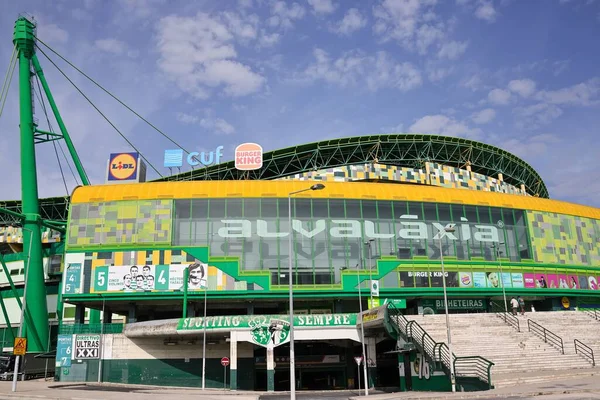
{"x":123,"y":167}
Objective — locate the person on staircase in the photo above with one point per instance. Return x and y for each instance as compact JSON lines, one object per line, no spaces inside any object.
{"x":514,"y":304}
{"x":521,"y":304}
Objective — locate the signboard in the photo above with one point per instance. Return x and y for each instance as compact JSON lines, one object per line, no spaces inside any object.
{"x":248,"y":157}
{"x":122,"y":167}
{"x":225,"y":361}
{"x":454,"y":304}
{"x":374,"y":288}
{"x":227,"y":322}
{"x":87,"y":347}
{"x":72,"y":283}
{"x":373,"y":302}
{"x":146,"y":278}
{"x":271,"y":332}
{"x":20,"y":346}
{"x":397,"y":303}
{"x":174,"y":158}
{"x":64,"y":350}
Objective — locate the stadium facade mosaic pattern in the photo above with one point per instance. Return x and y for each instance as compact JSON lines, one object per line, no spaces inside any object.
{"x":432,"y":174}
{"x":248,"y":237}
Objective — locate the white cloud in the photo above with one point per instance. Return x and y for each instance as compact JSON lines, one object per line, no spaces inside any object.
{"x":499,"y":96}
{"x":198,"y":54}
{"x":436,"y":74}
{"x":352,"y":21}
{"x":474,"y":83}
{"x":484,"y":116}
{"x":284,"y":16}
{"x":528,"y":147}
{"x":524,"y":87}
{"x":355,"y":67}
{"x":322,"y":6}
{"x":268,"y":40}
{"x":443,"y":125}
{"x":532,"y":117}
{"x":412,"y":23}
{"x":209,"y":122}
{"x":219,"y":125}
{"x":186,"y":118}
{"x":111,"y":45}
{"x":581,"y":94}
{"x":51,"y":33}
{"x":452,"y":50}
{"x":486,"y":11}
{"x":243,"y":28}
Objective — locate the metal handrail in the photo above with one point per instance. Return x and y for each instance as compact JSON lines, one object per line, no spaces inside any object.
{"x":585,"y":351}
{"x":475,"y":365}
{"x":438,"y":352}
{"x":547,"y":335}
{"x":508,"y":318}
{"x":592,"y":313}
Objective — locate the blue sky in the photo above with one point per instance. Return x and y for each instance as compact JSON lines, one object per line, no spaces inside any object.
{"x":521,"y":75}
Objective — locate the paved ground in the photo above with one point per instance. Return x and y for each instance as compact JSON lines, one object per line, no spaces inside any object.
{"x":577,"y":389}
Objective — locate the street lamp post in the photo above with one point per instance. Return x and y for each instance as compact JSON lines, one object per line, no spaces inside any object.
{"x":23,"y":305}
{"x":317,"y":186}
{"x":362,"y":330}
{"x":368,"y":243}
{"x":498,"y":251}
{"x":448,"y":229}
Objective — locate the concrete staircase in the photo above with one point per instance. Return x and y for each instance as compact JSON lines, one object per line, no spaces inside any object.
{"x":570,"y":325}
{"x":519,"y":357}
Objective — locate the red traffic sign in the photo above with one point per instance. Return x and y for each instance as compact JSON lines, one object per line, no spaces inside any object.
{"x":358,"y":360}
{"x":225,"y":361}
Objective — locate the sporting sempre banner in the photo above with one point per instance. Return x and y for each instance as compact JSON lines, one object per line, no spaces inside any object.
{"x":147,"y":278}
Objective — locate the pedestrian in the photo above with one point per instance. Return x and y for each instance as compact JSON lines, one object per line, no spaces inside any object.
{"x":521,"y":305}
{"x":514,"y":304}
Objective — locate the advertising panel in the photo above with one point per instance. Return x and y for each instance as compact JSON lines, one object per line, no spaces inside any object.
{"x":147,"y":278}
{"x":87,"y":346}
{"x":517,"y":280}
{"x":479,"y":279}
{"x":122,"y":167}
{"x":248,"y":156}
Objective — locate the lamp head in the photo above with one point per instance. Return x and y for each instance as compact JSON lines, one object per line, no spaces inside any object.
{"x":317,"y":186}
{"x":450,"y":229}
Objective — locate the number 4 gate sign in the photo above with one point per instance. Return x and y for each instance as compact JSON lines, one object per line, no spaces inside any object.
{"x":87,"y":346}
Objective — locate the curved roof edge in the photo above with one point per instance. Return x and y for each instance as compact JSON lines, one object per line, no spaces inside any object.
{"x":407,"y":150}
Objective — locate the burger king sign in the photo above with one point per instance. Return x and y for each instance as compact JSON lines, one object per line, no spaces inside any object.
{"x":248,"y":156}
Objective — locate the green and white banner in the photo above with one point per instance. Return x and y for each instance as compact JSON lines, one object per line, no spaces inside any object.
{"x":148,"y":278}
{"x":252,"y":321}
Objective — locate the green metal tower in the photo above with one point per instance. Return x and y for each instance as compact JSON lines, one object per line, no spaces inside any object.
{"x":36,"y":306}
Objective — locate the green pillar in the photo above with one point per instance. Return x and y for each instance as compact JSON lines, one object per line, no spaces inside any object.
{"x":94,"y":316}
{"x":32,"y":238}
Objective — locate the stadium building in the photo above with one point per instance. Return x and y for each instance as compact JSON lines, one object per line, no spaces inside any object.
{"x":185,"y":280}
{"x":380,"y":220}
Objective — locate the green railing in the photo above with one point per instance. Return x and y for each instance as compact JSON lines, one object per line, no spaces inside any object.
{"x":439,"y":353}
{"x":75,"y":329}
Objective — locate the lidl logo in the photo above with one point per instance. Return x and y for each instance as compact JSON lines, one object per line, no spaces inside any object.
{"x":122,"y":166}
{"x":248,"y":156}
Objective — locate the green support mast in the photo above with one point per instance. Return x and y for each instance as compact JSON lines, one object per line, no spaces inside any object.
{"x":36,"y":306}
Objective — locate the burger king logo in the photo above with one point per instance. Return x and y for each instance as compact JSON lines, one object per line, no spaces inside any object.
{"x":122,"y":166}
{"x":248,"y":156}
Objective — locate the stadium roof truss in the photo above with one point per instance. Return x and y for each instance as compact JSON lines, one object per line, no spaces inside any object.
{"x":405,"y":150}
{"x":53,"y":209}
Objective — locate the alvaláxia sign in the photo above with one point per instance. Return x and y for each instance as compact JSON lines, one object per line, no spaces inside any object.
{"x":349,"y":228}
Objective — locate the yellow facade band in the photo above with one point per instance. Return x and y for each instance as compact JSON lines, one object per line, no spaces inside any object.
{"x":342,"y":190}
